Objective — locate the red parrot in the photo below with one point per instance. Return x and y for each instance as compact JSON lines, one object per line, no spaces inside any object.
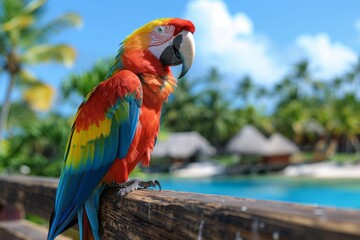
{"x":116,"y":126}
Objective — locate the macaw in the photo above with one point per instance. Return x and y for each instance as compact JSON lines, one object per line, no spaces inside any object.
{"x":116,"y":126}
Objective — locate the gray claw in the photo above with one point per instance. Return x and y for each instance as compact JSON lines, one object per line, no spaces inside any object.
{"x":151,"y":183}
{"x":133,"y":184}
{"x":157,"y":183}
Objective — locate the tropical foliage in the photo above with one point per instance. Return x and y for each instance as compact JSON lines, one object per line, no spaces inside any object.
{"x":199,"y":106}
{"x":79,"y":85}
{"x":300,"y":106}
{"x":303,"y":108}
{"x":24,"y":41}
{"x":38,"y":146}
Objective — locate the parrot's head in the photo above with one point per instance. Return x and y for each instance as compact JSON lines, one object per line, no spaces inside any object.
{"x":159,"y":44}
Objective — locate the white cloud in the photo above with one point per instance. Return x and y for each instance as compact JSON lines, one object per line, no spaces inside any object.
{"x":327,"y":58}
{"x":229,"y":42}
{"x":242,"y":24}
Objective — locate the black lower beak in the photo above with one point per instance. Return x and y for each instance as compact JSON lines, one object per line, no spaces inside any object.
{"x":180,"y":51}
{"x":171,"y":55}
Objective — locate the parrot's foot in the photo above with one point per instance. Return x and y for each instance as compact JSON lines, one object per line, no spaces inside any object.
{"x":134,"y":184}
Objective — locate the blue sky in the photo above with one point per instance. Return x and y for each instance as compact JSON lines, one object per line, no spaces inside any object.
{"x":260,"y":38}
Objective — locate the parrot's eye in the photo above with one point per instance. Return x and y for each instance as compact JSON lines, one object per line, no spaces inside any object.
{"x":160,"y":29}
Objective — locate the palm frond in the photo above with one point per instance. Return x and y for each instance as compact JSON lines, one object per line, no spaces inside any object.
{"x":26,"y":78}
{"x":39,"y":96}
{"x":17,"y":23}
{"x":61,"y":23}
{"x":41,"y":34}
{"x":43,"y":53}
{"x":10,"y":9}
{"x":81,"y":84}
{"x":34,"y":6}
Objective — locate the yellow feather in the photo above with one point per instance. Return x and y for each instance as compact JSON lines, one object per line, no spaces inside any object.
{"x":139,"y":39}
{"x":81,"y":148}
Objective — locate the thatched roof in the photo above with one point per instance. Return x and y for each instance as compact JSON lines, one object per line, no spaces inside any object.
{"x":279,"y":145}
{"x":183,"y":145}
{"x":250,"y":141}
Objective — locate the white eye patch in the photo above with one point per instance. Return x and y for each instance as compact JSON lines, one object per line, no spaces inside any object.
{"x":161,"y":34}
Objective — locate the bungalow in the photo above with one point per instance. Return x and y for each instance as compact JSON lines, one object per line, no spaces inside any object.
{"x":183,"y":147}
{"x":274,"y":150}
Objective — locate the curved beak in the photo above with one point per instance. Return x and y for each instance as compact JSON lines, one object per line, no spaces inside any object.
{"x":181,"y":51}
{"x":187,"y":52}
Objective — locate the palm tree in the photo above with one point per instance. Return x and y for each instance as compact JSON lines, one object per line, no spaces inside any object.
{"x":245,"y":88}
{"x":340,"y":119}
{"x":23,"y":41}
{"x":354,"y":74}
{"x":202,"y":106}
{"x":216,"y":120}
{"x":181,"y":111}
{"x":294,"y":86}
{"x":79,"y":85}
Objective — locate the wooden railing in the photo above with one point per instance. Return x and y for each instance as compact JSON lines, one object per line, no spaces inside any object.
{"x":146,"y":214}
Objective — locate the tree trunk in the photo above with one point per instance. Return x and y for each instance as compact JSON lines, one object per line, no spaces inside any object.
{"x":355,"y":142}
{"x":6,"y":105}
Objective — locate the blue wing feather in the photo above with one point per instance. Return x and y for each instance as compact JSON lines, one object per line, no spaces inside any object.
{"x":77,"y":184}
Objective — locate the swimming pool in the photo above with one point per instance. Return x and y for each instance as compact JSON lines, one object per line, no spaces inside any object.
{"x":339,"y":193}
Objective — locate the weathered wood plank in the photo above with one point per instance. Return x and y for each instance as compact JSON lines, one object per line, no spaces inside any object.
{"x":35,"y":195}
{"x":176,"y":215}
{"x":179,"y":215}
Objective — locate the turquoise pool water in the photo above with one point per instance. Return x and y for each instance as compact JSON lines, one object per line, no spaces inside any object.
{"x":334,"y":193}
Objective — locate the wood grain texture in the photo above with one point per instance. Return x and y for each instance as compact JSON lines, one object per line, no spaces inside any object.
{"x":177,"y":215}
{"x":35,"y":195}
{"x":146,"y":214}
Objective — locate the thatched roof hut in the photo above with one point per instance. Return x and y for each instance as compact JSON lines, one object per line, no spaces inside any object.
{"x":248,"y":141}
{"x":280,"y":145}
{"x":183,"y":145}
